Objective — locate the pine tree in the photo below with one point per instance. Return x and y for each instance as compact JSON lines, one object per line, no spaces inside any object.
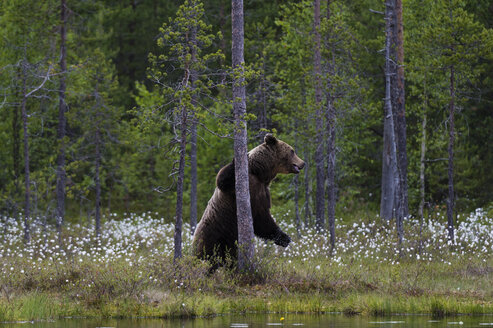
{"x":183,"y":41}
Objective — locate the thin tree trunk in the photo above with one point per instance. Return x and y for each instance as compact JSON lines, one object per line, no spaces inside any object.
{"x":331,"y":167}
{"x":222,"y":41}
{"x":307,"y":187}
{"x":319,"y":151}
{"x":296,"y":185}
{"x":61,"y":131}
{"x":422,"y":175}
{"x":246,"y":247}
{"x":27,"y":213}
{"x":423,"y":157}
{"x":451,"y":197}
{"x":193,"y":140}
{"x":193,"y":176}
{"x":97,"y":181}
{"x":390,"y":149}
{"x":179,"y":185}
{"x":263,"y":95}
{"x":400,"y":110}
{"x":331,"y":152}
{"x":16,"y":150}
{"x":422,"y":169}
{"x":296,"y":204}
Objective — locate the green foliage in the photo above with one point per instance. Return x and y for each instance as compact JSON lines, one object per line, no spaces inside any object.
{"x":443,"y":35}
{"x":108,"y":46}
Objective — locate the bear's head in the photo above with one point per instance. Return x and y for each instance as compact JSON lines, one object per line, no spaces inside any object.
{"x":272,"y":157}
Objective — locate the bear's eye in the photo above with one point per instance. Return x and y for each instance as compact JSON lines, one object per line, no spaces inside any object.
{"x":292,"y":152}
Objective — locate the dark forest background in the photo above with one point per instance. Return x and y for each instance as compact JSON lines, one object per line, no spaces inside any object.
{"x":90,"y":61}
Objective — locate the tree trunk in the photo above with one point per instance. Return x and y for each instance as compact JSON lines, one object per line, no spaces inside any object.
{"x":423,"y":157}
{"x":296,"y":182}
{"x":193,"y":141}
{"x":263,"y":107}
{"x":246,"y":247}
{"x":422,"y":169}
{"x":331,"y":167}
{"x":388,"y":188}
{"x":331,"y":153}
{"x":27,"y":214}
{"x":61,"y":131}
{"x":16,"y":150}
{"x":422,"y":176}
{"x":390,"y":148}
{"x":451,"y":197}
{"x":400,"y":110}
{"x":179,"y":185}
{"x":222,"y":44}
{"x":319,"y":151}
{"x":97,"y":181}
{"x":388,"y":192}
{"x":307,"y":188}
{"x":193,"y":176}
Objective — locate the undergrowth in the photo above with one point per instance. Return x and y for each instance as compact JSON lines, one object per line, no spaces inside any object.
{"x":130,"y":272}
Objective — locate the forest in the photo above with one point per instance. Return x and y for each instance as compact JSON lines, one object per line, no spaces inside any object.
{"x":91,"y":123}
{"x":118,"y":115}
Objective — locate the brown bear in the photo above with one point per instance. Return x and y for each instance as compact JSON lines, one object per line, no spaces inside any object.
{"x":216,"y":235}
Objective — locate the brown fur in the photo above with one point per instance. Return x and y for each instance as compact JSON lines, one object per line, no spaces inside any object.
{"x":217,"y":232}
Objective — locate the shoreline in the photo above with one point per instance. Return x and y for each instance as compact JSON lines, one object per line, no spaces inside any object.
{"x":39,"y":306}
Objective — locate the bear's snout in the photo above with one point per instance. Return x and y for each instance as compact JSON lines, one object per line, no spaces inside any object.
{"x":298,"y":166}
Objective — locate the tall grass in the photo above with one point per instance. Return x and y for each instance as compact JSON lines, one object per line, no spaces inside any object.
{"x":130,"y":271}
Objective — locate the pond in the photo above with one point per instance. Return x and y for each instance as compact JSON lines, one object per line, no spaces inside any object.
{"x":266,"y":320}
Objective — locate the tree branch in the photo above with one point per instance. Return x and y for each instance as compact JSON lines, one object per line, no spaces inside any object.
{"x":41,"y":85}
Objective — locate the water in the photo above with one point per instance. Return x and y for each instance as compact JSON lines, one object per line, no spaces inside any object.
{"x":267,"y":320}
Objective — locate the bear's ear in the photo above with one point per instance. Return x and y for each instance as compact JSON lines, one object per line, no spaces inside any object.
{"x":270,"y":139}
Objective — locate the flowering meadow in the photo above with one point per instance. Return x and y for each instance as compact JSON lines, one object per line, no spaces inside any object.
{"x":132,"y":262}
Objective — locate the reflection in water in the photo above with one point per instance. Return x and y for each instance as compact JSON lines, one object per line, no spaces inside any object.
{"x":266,"y":320}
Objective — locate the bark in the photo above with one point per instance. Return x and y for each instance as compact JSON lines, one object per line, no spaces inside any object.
{"x":16,"y":149}
{"x":296,"y":182}
{"x":331,"y":155}
{"x":296,"y":204}
{"x":193,"y":141}
{"x":390,"y":149}
{"x":388,"y":187}
{"x":246,"y":246}
{"x":97,"y":160}
{"x":422,"y":178}
{"x":222,"y":41}
{"x":179,"y":185}
{"x":61,"y":131}
{"x":331,"y":166}
{"x":423,"y":158}
{"x":193,"y":176}
{"x":307,"y":188}
{"x":27,"y":205}
{"x":388,"y":194}
{"x":319,"y":151}
{"x":451,"y":197}
{"x":263,"y":107}
{"x":422,"y":169}
{"x":400,"y":111}
{"x":181,"y":170}
{"x":97,"y":181}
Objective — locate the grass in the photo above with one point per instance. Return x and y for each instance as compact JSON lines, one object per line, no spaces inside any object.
{"x":129,"y":272}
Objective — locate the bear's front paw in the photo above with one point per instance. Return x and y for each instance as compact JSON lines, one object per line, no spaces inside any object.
{"x":282,"y":239}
